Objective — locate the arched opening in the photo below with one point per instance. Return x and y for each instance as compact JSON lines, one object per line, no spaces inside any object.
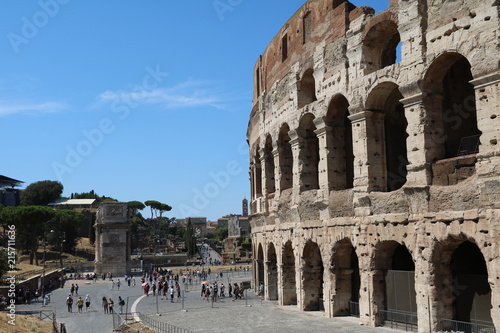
{"x":312,"y":278}
{"x":394,"y":281}
{"x":380,"y":46}
{"x":346,"y":279}
{"x":388,"y":151}
{"x":307,"y":89}
{"x":272,"y":273}
{"x":309,"y":154}
{"x":451,"y":107}
{"x":471,"y":290}
{"x":289,"y":286}
{"x":269,"y":165}
{"x":285,"y":158}
{"x":260,"y":265}
{"x":339,"y":145}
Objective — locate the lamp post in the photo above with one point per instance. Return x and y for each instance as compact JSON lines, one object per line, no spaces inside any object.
{"x":62,"y":239}
{"x":43,"y":274}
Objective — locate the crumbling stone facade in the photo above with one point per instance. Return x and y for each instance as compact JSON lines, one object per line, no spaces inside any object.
{"x":112,"y":230}
{"x":375,"y":177}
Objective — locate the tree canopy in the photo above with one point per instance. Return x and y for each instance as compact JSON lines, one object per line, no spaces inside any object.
{"x":41,"y":193}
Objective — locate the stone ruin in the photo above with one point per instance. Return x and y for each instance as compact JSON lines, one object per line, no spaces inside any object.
{"x":374,"y":167}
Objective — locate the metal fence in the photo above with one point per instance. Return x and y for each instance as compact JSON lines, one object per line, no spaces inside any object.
{"x":448,"y":325}
{"x":354,"y":309}
{"x":46,"y":315}
{"x":399,"y":320}
{"x":160,"y":326}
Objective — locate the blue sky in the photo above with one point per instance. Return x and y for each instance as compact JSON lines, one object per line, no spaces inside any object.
{"x":136,"y":100}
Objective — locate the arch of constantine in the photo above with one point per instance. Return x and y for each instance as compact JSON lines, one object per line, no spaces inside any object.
{"x":375,"y":172}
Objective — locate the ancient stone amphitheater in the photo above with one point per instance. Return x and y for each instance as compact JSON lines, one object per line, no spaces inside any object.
{"x":375,"y":171}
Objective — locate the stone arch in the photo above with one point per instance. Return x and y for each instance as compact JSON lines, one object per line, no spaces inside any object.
{"x":288,"y":275}
{"x":306,"y":93}
{"x":269,"y":165}
{"x":346,"y":277}
{"x":308,"y":154}
{"x":449,"y":100}
{"x":380,"y":43}
{"x":312,"y":278}
{"x":260,"y":265}
{"x":272,"y":273}
{"x":461,"y":272}
{"x":393,"y":279}
{"x":387,"y":126}
{"x":339,"y":145}
{"x":285,"y":158}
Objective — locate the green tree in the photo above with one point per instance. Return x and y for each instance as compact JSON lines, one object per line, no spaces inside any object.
{"x":41,"y":193}
{"x":65,"y":227}
{"x":134,"y":207}
{"x":221,"y":233}
{"x":190,"y":239}
{"x":30,"y":223}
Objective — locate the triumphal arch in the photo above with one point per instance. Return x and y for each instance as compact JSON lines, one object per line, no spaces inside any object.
{"x":375,"y":172}
{"x":112,"y":242}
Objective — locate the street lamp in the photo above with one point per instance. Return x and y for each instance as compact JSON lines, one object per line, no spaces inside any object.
{"x":43,"y":275}
{"x":62,"y":239}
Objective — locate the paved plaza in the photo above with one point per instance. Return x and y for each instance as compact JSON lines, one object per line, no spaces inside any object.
{"x":193,"y":312}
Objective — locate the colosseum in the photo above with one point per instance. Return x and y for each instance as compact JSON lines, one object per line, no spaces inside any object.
{"x":374,"y":166}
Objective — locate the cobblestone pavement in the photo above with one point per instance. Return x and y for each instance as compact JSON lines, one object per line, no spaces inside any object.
{"x":194,"y":313}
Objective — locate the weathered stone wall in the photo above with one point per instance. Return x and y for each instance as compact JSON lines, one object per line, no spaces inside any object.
{"x":112,"y":239}
{"x":364,"y":203}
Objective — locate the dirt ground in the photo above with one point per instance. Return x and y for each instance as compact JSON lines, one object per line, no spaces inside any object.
{"x":24,"y":324}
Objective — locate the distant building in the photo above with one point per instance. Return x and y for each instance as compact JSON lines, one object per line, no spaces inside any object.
{"x":9,"y":196}
{"x":75,"y":204}
{"x":199,"y":223}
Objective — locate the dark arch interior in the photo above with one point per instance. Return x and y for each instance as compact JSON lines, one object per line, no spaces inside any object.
{"x":470,"y":280}
{"x":402,"y":259}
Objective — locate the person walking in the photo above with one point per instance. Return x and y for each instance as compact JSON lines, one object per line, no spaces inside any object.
{"x":76,"y":288}
{"x":118,"y":284}
{"x":121,"y":303}
{"x":105,"y":305}
{"x":111,"y":304}
{"x":79,"y":304}
{"x":87,"y":302}
{"x":69,"y":303}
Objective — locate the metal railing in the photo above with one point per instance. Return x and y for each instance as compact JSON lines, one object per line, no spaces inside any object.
{"x":46,"y":315}
{"x":160,"y":326}
{"x":354,"y":309}
{"x":448,"y":325}
{"x":399,"y":320}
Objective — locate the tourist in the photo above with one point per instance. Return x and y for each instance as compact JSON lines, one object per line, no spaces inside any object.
{"x":79,"y":303}
{"x":76,"y":288}
{"x":69,"y":303}
{"x":72,"y":290}
{"x":87,"y":302}
{"x":105,"y":305}
{"x":110,"y":305}
{"x":121,"y":303}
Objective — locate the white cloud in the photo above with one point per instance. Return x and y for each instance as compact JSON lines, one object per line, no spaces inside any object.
{"x":8,"y":108}
{"x":184,"y":95}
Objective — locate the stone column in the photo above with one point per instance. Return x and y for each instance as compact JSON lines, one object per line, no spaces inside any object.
{"x":369,"y":150}
{"x":322,"y":132}
{"x":419,"y":167}
{"x":277,"y":171}
{"x":295,"y":143}
{"x":487,"y":90}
